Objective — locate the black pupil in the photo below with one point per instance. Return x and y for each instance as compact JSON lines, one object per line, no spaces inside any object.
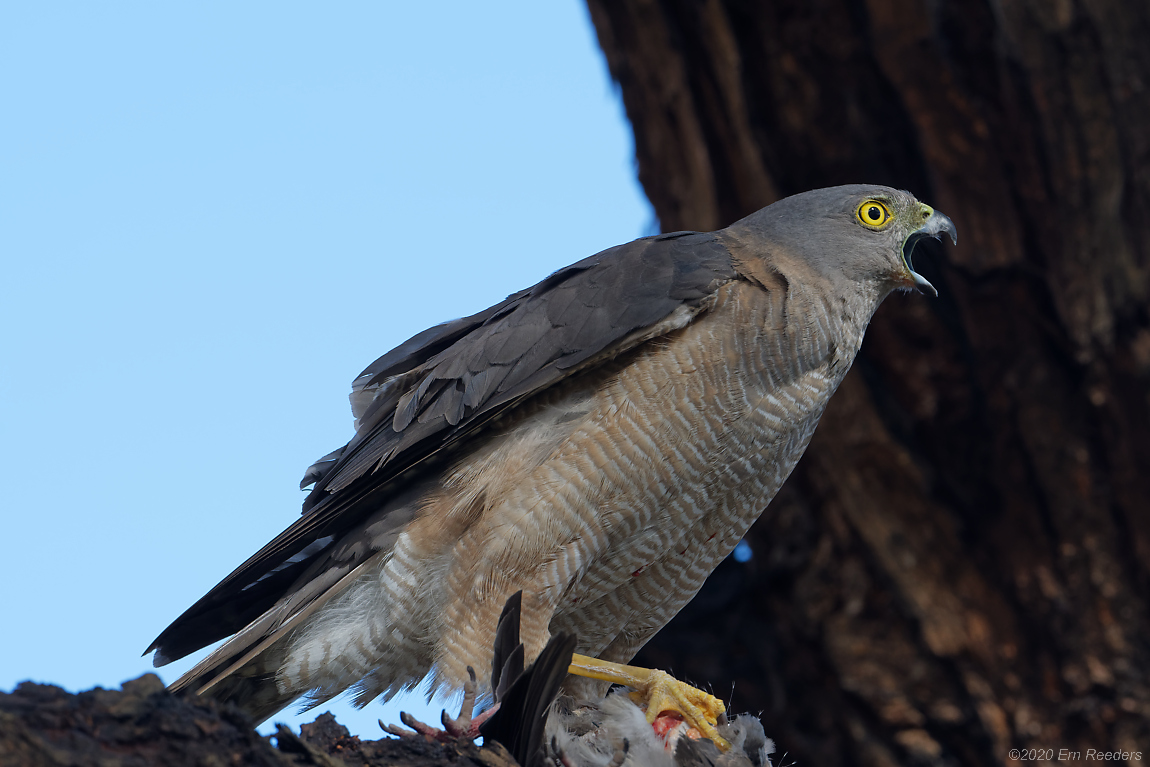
{"x":874,"y":213}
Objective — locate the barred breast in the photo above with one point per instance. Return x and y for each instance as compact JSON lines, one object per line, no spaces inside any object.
{"x":608,"y":501}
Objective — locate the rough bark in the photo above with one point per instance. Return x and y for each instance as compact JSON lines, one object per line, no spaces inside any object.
{"x":142,"y":724}
{"x":958,"y":567}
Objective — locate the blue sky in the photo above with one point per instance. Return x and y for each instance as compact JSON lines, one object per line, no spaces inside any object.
{"x":212,"y":217}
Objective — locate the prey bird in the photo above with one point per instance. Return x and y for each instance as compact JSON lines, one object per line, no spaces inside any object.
{"x":599,"y":441}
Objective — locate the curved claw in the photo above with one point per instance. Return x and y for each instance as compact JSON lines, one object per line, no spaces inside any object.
{"x":699,"y":709}
{"x":462,"y":727}
{"x":660,"y":692}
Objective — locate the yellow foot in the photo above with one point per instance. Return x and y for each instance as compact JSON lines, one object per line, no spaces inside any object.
{"x":661,"y":692}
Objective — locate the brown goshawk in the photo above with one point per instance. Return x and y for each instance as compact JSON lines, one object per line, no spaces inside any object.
{"x":599,"y":441}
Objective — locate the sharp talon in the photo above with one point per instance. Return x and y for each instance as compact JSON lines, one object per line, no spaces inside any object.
{"x":462,"y":725}
{"x":468,"y":706}
{"x":396,"y":730}
{"x":427,"y":731}
{"x":660,"y":692}
{"x":449,"y":724}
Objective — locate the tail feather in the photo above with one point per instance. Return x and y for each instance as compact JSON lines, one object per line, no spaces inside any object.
{"x":243,"y":670}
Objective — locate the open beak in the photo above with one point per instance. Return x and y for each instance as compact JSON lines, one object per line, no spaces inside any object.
{"x":934,"y":227}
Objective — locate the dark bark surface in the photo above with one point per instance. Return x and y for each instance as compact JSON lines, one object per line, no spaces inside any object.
{"x":143,"y":724}
{"x":959,"y":565}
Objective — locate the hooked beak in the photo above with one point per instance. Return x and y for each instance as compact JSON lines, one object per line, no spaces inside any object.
{"x":934,"y":227}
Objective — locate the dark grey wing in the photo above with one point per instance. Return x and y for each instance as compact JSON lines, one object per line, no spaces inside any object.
{"x":409,"y":355}
{"x":444,"y":384}
{"x":523,"y":345}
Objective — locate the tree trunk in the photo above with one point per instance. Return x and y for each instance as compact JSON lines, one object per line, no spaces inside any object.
{"x":958,"y":566}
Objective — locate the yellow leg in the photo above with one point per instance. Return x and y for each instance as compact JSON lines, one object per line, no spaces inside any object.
{"x":661,"y":691}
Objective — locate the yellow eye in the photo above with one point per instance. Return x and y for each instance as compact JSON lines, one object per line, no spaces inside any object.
{"x":873,"y":214}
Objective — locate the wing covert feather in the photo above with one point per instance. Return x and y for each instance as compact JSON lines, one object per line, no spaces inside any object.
{"x":443,"y":384}
{"x":482,"y":363}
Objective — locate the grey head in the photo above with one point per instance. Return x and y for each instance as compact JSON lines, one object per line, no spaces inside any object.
{"x":858,"y":234}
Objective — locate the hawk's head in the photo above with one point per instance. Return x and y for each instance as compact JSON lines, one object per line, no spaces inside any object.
{"x":865,"y":234}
